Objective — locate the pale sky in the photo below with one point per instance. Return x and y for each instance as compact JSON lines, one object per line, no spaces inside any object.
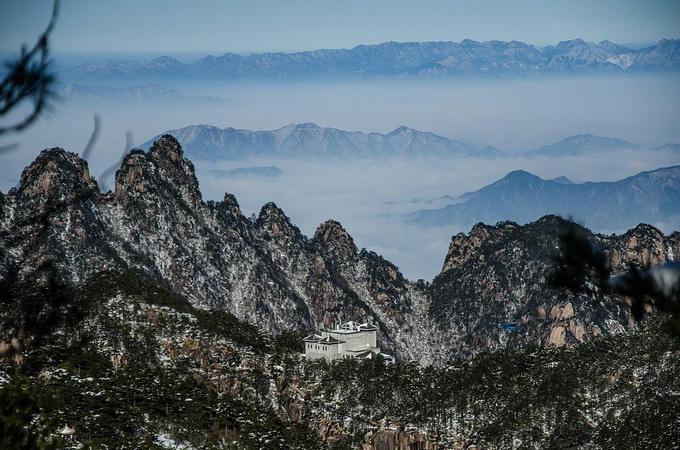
{"x":220,"y":26}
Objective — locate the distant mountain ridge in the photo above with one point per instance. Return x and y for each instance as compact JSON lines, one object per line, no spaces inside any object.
{"x":648,"y":197}
{"x":265,"y":271}
{"x":204,"y":142}
{"x":581,"y":144}
{"x":308,"y":140}
{"x":467,"y":58}
{"x":149,"y":92}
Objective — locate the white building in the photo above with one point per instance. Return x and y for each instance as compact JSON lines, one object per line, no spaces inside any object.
{"x":350,"y":340}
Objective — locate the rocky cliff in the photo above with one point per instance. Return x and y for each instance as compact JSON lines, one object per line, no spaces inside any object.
{"x":500,"y":274}
{"x":266,"y":272}
{"x":155,"y":223}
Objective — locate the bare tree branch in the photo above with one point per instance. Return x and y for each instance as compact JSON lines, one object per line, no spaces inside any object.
{"x":581,"y":266}
{"x":29,"y":77}
{"x":108,"y":171}
{"x":93,"y":137}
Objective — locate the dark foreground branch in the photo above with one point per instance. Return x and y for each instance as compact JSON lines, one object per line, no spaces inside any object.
{"x":29,"y":78}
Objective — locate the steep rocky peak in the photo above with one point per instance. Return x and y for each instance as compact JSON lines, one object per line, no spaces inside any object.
{"x":167,"y":148}
{"x":331,"y":235}
{"x":644,"y":245}
{"x":231,"y":204}
{"x":273,"y":220}
{"x":480,"y":233}
{"x":644,"y":236}
{"x":163,"y":165}
{"x":402,"y":129}
{"x":271,"y":213}
{"x":460,"y":251}
{"x":228,"y":212}
{"x":168,"y":155}
{"x":554,"y":223}
{"x":133,"y":176}
{"x":56,"y":175}
{"x":463,"y":247}
{"x":645,"y":229}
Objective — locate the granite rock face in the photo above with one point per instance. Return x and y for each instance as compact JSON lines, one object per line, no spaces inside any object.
{"x":499,"y":274}
{"x":155,"y":223}
{"x":265,"y":271}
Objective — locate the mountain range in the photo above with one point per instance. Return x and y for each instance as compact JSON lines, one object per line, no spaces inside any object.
{"x":649,"y":197}
{"x":206,"y":142}
{"x":467,"y":58}
{"x":124,"y":315}
{"x":581,"y":144}
{"x":266,"y":272}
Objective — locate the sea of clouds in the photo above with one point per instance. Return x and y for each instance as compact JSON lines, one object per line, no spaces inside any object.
{"x":370,"y":198}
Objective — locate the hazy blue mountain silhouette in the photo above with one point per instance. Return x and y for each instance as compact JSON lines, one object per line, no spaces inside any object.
{"x":648,"y":197}
{"x":204,"y":142}
{"x":581,"y":144}
{"x":467,"y":58}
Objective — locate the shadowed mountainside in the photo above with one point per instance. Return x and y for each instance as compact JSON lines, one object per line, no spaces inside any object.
{"x":648,"y":197}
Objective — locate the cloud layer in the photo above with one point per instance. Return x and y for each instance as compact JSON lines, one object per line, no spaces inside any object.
{"x":369,"y":198}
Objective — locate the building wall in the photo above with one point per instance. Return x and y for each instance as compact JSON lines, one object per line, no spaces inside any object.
{"x":318,"y":351}
{"x":352,"y":342}
{"x":359,"y":340}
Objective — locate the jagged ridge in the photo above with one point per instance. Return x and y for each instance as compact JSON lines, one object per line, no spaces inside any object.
{"x":498,"y":274}
{"x":309,"y":140}
{"x":467,"y":58}
{"x":265,"y":271}
{"x":652,"y":197}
